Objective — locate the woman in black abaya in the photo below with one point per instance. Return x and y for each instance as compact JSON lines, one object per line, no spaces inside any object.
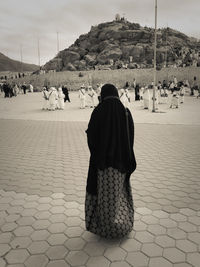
{"x":109,"y":210}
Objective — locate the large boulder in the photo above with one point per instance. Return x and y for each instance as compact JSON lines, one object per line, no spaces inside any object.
{"x":90,"y":59}
{"x":80,"y":64}
{"x":70,"y":66}
{"x":54,"y":64}
{"x":107,"y":54}
{"x":78,"y":50}
{"x":69,"y":57}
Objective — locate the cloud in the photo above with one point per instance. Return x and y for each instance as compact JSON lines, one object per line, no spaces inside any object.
{"x":23,"y":22}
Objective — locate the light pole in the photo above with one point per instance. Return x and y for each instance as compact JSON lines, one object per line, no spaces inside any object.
{"x":57,"y":42}
{"x":38,"y":43}
{"x":21,"y":57}
{"x":155,"y":44}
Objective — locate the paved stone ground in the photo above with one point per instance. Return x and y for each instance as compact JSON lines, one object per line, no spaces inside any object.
{"x":43,"y":169}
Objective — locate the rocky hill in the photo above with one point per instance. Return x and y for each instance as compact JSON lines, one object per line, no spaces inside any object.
{"x":122,"y":44}
{"x":7,"y":64}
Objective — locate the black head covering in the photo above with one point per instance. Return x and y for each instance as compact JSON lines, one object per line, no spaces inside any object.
{"x":108,"y":139}
{"x":108,"y":90}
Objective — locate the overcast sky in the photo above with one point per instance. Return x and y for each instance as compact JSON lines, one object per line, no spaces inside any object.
{"x":23,"y":22}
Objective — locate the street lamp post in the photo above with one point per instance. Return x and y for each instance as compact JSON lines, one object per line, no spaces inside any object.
{"x":21,"y":57}
{"x":155,"y":44}
{"x":38,"y":43}
{"x":57,"y":42}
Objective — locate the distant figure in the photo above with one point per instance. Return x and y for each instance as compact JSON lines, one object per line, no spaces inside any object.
{"x":134,"y":83}
{"x":15,"y":90}
{"x":6,"y":89}
{"x":45,"y":95}
{"x":53,"y":97}
{"x":126,"y":85}
{"x":175,"y":81}
{"x":127,"y":98}
{"x":82,"y":96}
{"x":182,"y":93}
{"x":66,"y":93}
{"x":61,"y":97}
{"x":175,"y":100}
{"x":122,"y":96}
{"x":195,"y":89}
{"x":92,"y":95}
{"x":31,"y":88}
{"x":98,"y":92}
{"x":172,"y":87}
{"x":141,"y":92}
{"x":24,"y":87}
{"x":137,"y":92}
{"x":164,"y":85}
{"x":146,"y":97}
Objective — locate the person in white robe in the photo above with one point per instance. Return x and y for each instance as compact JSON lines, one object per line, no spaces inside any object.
{"x":98,"y":92}
{"x":45,"y":95}
{"x":61,"y":97}
{"x":31,"y":88}
{"x":175,"y":100}
{"x":16,"y":90}
{"x":146,"y":98}
{"x":196,"y":92}
{"x":141,"y":92}
{"x":182,"y":94}
{"x":122,"y":96}
{"x":92,"y":96}
{"x":82,"y":96}
{"x":53,"y":97}
{"x":127,"y":98}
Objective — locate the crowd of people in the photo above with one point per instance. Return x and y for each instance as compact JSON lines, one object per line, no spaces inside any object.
{"x":13,"y":89}
{"x":166,"y":92}
{"x":55,"y":98}
{"x":171,"y":93}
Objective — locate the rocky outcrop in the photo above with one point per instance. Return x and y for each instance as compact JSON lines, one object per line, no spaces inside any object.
{"x":128,"y":43}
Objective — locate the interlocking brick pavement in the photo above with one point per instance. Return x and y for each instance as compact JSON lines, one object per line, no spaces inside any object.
{"x":43,"y":169}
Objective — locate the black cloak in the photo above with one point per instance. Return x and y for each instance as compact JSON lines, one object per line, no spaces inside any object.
{"x":110,"y":138}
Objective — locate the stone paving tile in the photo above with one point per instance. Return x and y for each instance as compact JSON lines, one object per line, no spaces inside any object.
{"x":20,"y":242}
{"x":42,"y":202}
{"x":94,"y":249}
{"x":2,"y":262}
{"x":36,"y":260}
{"x":115,"y":254}
{"x":159,"y":261}
{"x":193,"y":258}
{"x":98,"y":261}
{"x":57,"y":252}
{"x":174,"y":255}
{"x":152,"y":250}
{"x":38,"y":247}
{"x":17,"y":256}
{"x":4,"y":248}
{"x":137,"y":259}
{"x":76,"y":258}
{"x":57,"y":239}
{"x":57,"y":263}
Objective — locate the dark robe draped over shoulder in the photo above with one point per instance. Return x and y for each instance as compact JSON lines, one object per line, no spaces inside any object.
{"x":108,"y":138}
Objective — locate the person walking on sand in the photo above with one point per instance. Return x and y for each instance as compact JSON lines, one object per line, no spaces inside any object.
{"x":45,"y":95}
{"x":109,"y":210}
{"x":82,"y":96}
{"x":66,"y":93}
{"x":92,"y":95}
{"x":146,"y":97}
{"x":53,"y":96}
{"x":61,"y":97}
